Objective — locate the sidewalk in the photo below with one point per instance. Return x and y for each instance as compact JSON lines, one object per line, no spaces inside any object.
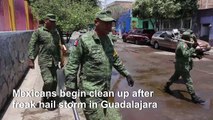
{"x":34,"y":81}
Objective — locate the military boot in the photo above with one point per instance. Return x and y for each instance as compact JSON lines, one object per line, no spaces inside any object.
{"x":166,"y":87}
{"x":196,"y":99}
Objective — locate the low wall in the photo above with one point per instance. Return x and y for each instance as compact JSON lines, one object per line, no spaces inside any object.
{"x":13,"y":61}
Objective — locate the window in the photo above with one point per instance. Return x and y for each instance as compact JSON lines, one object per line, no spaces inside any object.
{"x":163,"y":35}
{"x":157,"y":33}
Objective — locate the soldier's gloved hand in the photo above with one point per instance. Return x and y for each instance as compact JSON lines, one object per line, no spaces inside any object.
{"x":31,"y":64}
{"x":130,"y":80}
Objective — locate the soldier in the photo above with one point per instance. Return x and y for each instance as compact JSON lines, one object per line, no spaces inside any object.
{"x":96,"y":56}
{"x":45,"y":42}
{"x":183,"y":65}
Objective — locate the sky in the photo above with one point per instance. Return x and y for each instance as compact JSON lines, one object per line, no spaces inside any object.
{"x":110,"y":1}
{"x":106,"y":2}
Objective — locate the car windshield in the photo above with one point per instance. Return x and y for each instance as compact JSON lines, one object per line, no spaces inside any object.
{"x":158,"y":33}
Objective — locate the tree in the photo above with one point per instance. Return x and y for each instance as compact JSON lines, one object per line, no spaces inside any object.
{"x":188,"y":8}
{"x":153,"y":8}
{"x":71,"y":14}
{"x":164,"y":9}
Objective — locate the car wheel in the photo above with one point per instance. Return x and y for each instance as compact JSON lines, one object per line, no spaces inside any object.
{"x":148,"y":42}
{"x":156,"y":45}
{"x":124,"y":40}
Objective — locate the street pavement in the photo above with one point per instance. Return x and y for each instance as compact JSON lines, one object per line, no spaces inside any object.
{"x":150,"y":73}
{"x":151,"y":68}
{"x":33,"y":80}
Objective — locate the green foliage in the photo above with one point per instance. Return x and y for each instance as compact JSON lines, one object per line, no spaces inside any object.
{"x":161,"y":9}
{"x":143,"y":8}
{"x":71,"y":14}
{"x":155,"y":8}
{"x":188,"y":8}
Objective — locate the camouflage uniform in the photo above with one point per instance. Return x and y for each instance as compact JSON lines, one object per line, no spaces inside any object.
{"x":46,"y":44}
{"x":96,"y":56}
{"x":183,"y":65}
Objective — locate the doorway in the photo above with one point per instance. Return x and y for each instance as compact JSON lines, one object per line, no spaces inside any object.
{"x":205,"y":30}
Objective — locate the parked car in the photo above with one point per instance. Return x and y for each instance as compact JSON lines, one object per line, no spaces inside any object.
{"x":124,"y":35}
{"x":168,"y":39}
{"x":138,"y":35}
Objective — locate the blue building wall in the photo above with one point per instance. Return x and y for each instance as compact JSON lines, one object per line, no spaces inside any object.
{"x":124,"y":22}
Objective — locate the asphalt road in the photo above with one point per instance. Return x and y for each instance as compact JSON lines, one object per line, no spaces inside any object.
{"x":151,"y":69}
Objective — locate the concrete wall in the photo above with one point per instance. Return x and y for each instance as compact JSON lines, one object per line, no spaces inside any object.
{"x":13,"y":61}
{"x":205,"y":4}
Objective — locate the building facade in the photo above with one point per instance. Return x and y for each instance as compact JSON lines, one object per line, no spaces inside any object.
{"x":123,"y":23}
{"x":16,"y":15}
{"x":205,"y":4}
{"x":121,"y":11}
{"x":119,"y":7}
{"x":204,"y":22}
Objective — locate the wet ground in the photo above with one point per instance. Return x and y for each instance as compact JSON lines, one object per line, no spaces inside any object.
{"x":151,"y":69}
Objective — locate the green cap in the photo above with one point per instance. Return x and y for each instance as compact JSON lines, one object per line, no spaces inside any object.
{"x":51,"y":17}
{"x":105,"y":16}
{"x":187,"y":35}
{"x":190,"y":31}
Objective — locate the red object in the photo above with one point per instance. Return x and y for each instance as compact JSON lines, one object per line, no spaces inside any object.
{"x":138,"y":35}
{"x":76,"y":43}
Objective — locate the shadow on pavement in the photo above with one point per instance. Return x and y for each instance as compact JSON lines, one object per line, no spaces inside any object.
{"x":178,"y":94}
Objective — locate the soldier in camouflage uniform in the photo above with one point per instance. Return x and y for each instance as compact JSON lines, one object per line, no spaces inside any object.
{"x":184,"y":64}
{"x":45,"y":42}
{"x":96,"y":56}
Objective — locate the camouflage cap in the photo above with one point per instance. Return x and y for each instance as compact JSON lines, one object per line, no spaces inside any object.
{"x":51,"y":17}
{"x":187,"y":36}
{"x":186,"y":33}
{"x":189,"y":30}
{"x":105,"y":16}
